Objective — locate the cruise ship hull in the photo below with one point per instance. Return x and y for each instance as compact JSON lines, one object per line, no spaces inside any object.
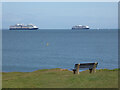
{"x":79,"y":28}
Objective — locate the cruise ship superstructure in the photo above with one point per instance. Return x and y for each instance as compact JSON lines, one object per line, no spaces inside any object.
{"x":23,"y":27}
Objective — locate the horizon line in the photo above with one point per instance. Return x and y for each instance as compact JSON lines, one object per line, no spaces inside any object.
{"x":65,"y":28}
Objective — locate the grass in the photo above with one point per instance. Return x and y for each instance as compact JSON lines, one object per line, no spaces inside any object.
{"x":61,"y":78}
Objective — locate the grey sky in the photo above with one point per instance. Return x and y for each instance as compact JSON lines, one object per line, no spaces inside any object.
{"x":61,"y":15}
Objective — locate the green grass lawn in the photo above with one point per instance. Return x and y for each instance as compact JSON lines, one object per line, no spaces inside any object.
{"x":60,"y":78}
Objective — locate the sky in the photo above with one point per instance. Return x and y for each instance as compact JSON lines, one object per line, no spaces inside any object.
{"x":61,"y":15}
{"x":59,"y":0}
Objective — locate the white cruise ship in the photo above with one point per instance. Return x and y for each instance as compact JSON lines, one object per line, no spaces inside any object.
{"x":23,"y":27}
{"x":80,"y":27}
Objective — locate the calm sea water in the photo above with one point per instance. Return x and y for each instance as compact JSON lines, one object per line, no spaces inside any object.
{"x":27,"y":51}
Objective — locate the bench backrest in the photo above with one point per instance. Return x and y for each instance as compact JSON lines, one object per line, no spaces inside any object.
{"x":86,"y":65}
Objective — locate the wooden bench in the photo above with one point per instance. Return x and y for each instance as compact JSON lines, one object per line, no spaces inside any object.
{"x":90,"y":66}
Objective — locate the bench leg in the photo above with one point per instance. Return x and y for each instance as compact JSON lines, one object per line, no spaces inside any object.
{"x":77,"y":69}
{"x":90,"y":70}
{"x":94,"y":70}
{"x":74,"y":71}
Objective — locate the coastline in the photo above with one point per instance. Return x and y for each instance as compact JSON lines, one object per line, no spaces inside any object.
{"x":63,"y":69}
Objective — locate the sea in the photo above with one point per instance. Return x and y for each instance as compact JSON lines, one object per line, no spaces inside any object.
{"x":31,"y":50}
